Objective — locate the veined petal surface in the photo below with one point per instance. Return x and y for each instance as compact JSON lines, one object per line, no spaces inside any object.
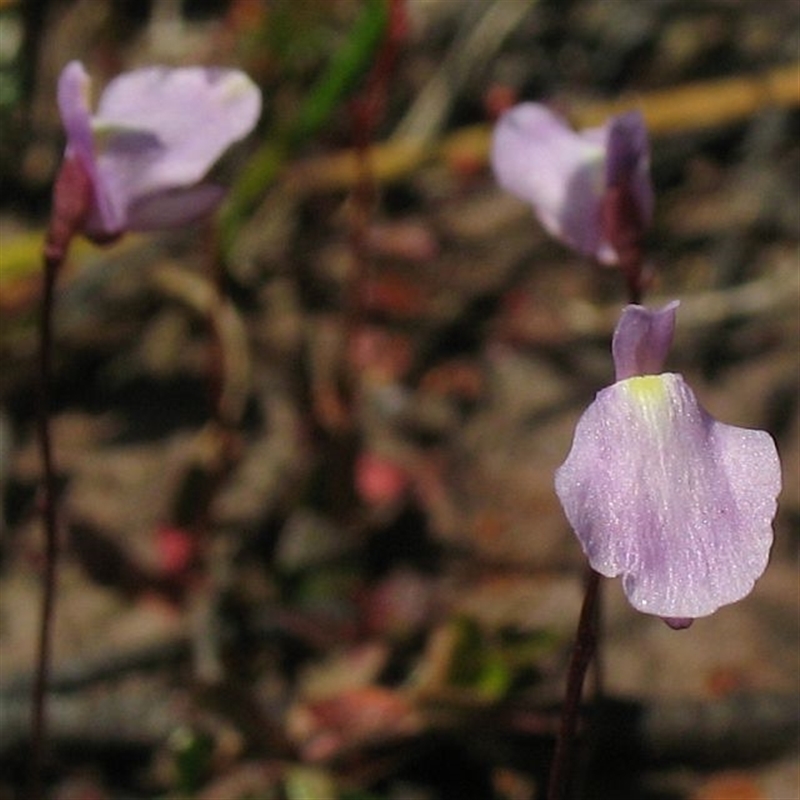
{"x":679,"y":504}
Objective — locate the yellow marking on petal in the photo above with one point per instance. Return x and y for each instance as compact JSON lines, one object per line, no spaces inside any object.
{"x":650,"y":398}
{"x":236,"y":85}
{"x":647,"y":389}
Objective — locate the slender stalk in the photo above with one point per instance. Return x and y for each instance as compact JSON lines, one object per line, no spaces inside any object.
{"x":582,"y":652}
{"x":367,"y":111}
{"x":622,"y":221}
{"x":72,"y":195}
{"x":633,"y":278}
{"x":50,"y":524}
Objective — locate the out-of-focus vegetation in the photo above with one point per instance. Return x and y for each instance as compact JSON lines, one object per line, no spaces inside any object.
{"x":352,"y":579}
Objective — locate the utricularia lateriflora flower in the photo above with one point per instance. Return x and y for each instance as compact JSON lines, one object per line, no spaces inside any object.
{"x":591,"y":190}
{"x":660,"y":492}
{"x":145,"y":153}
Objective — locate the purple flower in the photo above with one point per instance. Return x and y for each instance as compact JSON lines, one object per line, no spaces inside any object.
{"x":661,"y":493}
{"x":568,"y":177}
{"x":155,"y":135}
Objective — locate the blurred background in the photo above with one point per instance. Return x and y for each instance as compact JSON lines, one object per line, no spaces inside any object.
{"x":310,"y":543}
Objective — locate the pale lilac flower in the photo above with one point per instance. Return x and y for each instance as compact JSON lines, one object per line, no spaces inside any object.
{"x":566,"y":176}
{"x":155,"y":135}
{"x":661,"y":493}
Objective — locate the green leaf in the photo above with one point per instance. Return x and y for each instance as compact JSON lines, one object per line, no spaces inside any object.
{"x":347,"y":65}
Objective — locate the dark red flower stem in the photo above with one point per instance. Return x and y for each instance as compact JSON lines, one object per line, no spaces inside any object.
{"x":71,"y":202}
{"x":336,"y":414}
{"x":623,"y":223}
{"x":583,"y":650}
{"x":367,"y":112}
{"x":49,"y":520}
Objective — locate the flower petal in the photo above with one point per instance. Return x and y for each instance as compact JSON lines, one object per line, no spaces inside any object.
{"x":628,"y":161}
{"x":121,"y":158}
{"x":677,"y":503}
{"x":642,"y":340}
{"x":566,"y":175}
{"x":539,"y":158}
{"x":156,"y":134}
{"x":194,"y":113}
{"x":73,"y":104}
{"x":172,"y":209}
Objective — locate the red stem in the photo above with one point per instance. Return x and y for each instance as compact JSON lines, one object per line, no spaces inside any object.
{"x":72,"y":197}
{"x":52,"y":263}
{"x":582,"y":652}
{"x":367,"y":111}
